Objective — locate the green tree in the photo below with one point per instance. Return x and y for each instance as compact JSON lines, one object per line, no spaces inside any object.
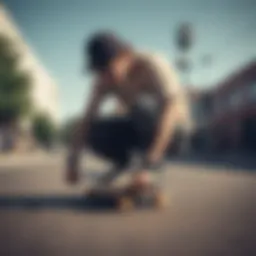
{"x":68,"y":130}
{"x":44,"y":130}
{"x":15,"y":85}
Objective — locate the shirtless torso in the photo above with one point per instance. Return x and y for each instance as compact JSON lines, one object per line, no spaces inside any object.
{"x":151,"y":80}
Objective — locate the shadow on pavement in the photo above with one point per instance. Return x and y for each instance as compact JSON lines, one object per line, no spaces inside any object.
{"x":56,"y":202}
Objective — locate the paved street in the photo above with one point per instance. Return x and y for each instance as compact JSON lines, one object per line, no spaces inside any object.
{"x":212,"y":212}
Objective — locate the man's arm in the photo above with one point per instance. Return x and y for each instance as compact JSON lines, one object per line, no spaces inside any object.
{"x":81,"y":131}
{"x":164,"y":132}
{"x":166,"y":88}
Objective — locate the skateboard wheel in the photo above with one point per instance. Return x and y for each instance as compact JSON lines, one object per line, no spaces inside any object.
{"x":161,"y":201}
{"x":125,"y":204}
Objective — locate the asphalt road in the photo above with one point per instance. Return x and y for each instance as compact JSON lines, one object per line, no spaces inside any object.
{"x":212,"y":212}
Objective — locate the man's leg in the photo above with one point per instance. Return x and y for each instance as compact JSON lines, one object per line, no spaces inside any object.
{"x":113,"y":139}
{"x":145,"y":122}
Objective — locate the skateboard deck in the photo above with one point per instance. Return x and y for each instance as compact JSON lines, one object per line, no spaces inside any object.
{"x":127,"y":198}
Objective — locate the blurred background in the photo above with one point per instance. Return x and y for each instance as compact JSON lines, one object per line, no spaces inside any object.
{"x":43,"y":90}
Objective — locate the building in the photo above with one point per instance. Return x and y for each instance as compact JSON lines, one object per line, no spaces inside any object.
{"x":225,"y":115}
{"x":44,"y":92}
{"x":233,"y":122}
{"x":201,"y":111}
{"x":44,"y":88}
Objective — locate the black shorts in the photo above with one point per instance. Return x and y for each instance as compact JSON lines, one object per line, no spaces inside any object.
{"x":118,"y":138}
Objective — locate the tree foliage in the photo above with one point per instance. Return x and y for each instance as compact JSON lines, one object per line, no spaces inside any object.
{"x":68,"y":130}
{"x":44,"y":130}
{"x":15,"y":85}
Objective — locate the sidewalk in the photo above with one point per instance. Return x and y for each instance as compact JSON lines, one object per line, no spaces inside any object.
{"x":44,"y":159}
{"x":29,"y":158}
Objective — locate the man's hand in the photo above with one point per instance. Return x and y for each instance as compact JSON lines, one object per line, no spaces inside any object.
{"x":80,"y":135}
{"x":142,"y":179}
{"x":154,"y":157}
{"x":163,"y":134}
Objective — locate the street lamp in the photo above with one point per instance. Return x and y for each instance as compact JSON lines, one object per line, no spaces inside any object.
{"x":184,"y":41}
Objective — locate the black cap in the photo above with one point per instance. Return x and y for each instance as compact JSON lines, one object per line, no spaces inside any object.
{"x":102,"y":48}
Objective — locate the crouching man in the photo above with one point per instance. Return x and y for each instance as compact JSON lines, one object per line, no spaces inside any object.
{"x":150,"y":96}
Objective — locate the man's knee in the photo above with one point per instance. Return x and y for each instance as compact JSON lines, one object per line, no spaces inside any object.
{"x":112,"y":139}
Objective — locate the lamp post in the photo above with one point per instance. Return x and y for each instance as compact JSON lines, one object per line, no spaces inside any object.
{"x":184,"y":40}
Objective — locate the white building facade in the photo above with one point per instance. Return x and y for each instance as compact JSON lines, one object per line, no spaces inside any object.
{"x":44,"y":89}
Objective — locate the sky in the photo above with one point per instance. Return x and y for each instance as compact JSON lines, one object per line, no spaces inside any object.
{"x":57,"y":30}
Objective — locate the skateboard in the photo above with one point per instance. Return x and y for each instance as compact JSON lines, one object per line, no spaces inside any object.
{"x":128,"y":198}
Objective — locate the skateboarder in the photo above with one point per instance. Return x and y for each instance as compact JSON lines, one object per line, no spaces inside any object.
{"x":151,"y":102}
